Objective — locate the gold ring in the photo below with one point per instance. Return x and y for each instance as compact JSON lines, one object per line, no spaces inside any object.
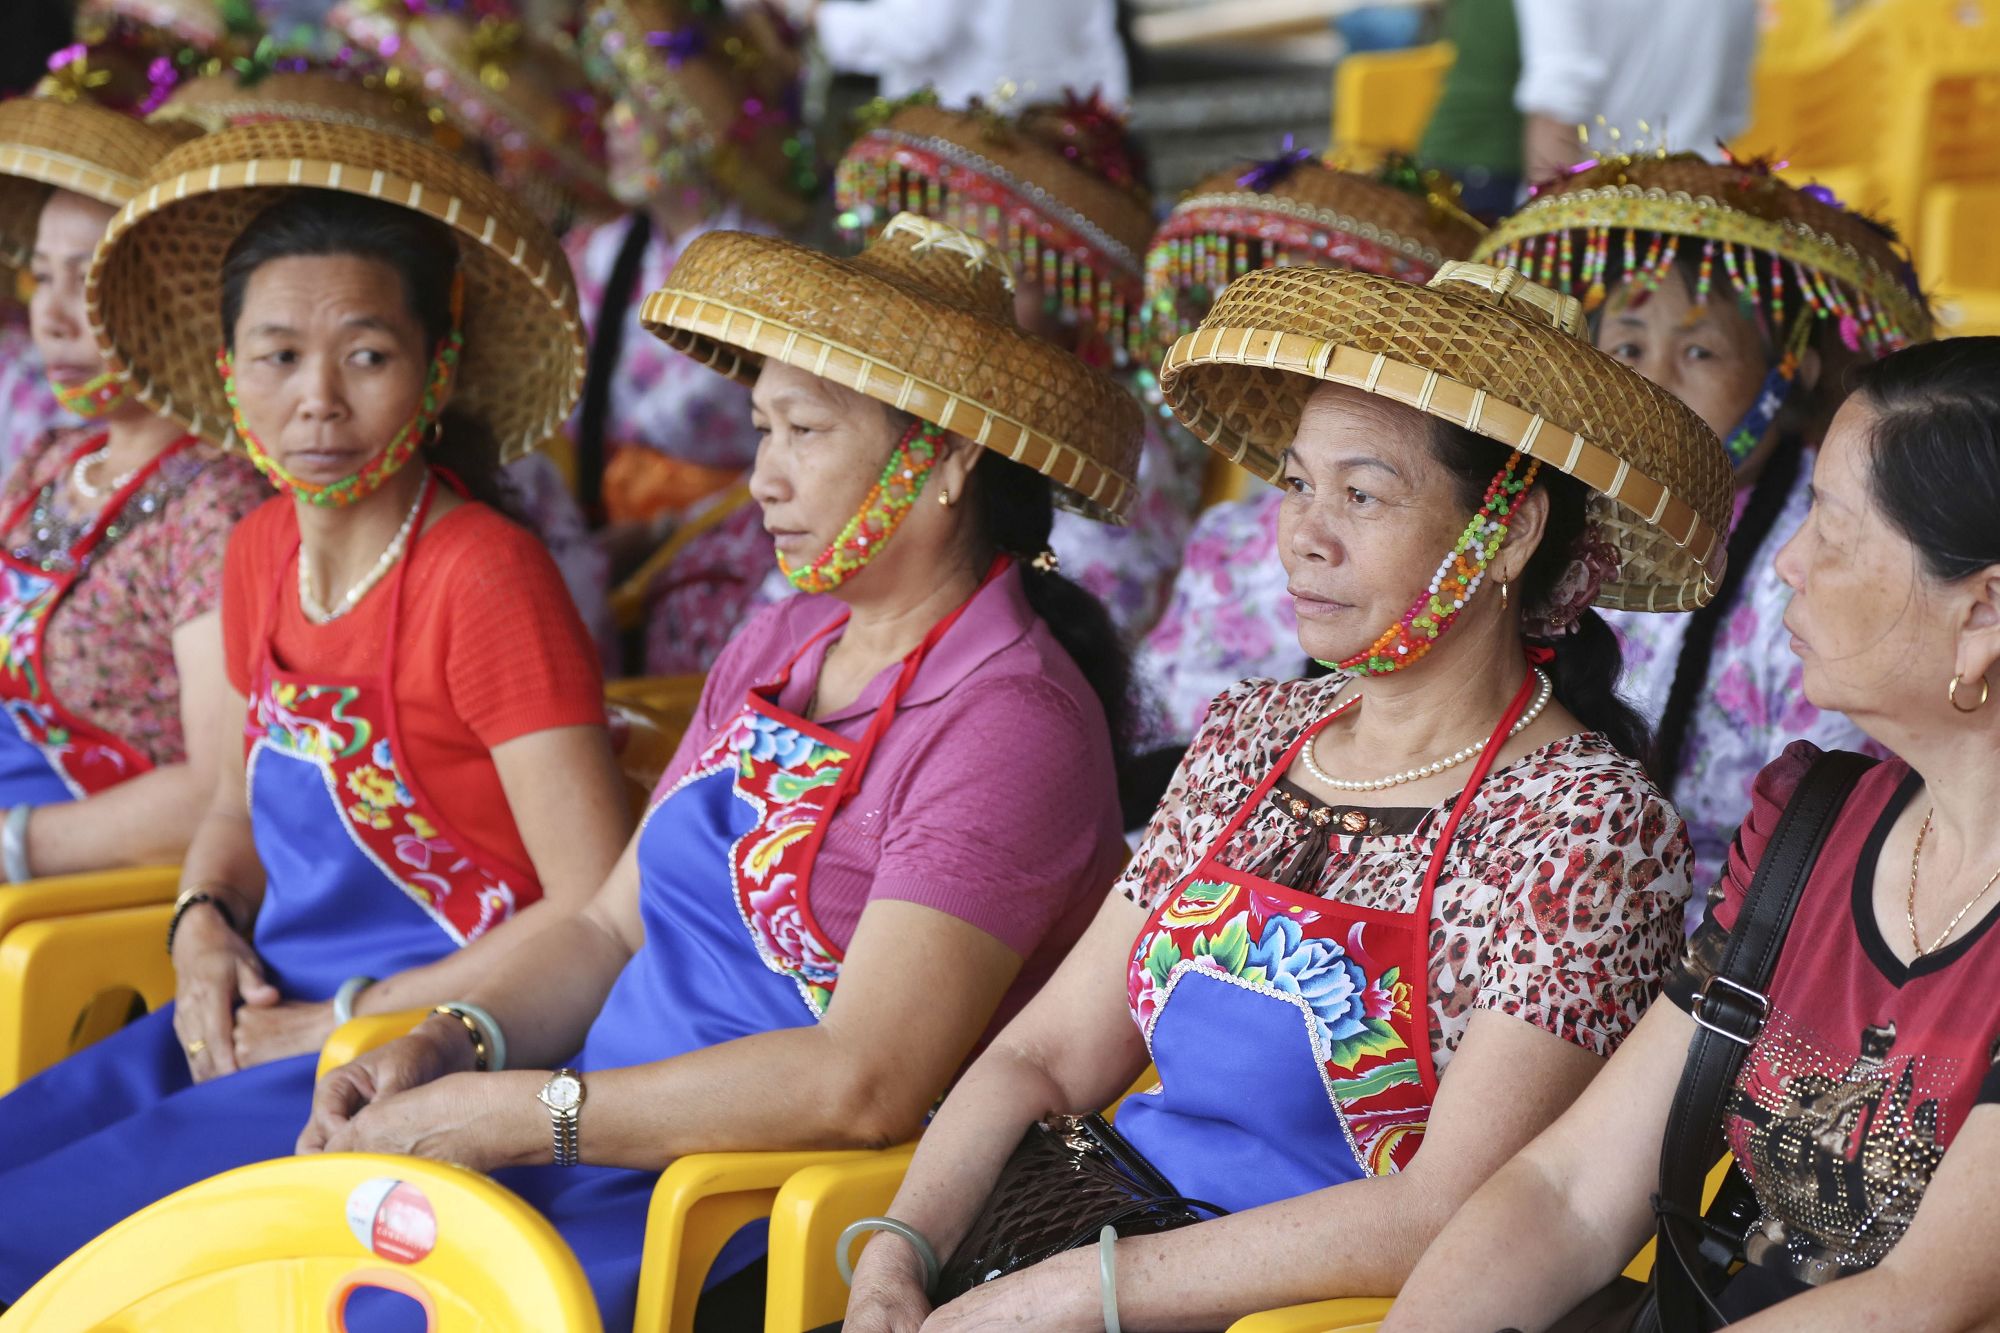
{"x":196,"y":1047}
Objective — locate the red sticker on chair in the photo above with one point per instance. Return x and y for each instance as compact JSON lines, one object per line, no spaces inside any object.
{"x":393,"y":1219}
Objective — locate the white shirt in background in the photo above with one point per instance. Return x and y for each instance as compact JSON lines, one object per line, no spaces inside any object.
{"x":1679,"y":64}
{"x":973,"y":48}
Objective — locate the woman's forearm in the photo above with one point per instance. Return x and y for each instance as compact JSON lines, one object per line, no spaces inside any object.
{"x":1472,"y":1277}
{"x":543,"y":1008}
{"x":222,"y":858}
{"x":143,"y":821}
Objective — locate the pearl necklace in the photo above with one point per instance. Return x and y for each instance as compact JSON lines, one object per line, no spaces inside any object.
{"x":309,"y":604}
{"x":1542,"y":692}
{"x":79,"y":476}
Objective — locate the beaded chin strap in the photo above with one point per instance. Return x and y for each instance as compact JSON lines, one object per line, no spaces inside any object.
{"x":889,"y":502}
{"x":1775,"y":392}
{"x":340,"y":494}
{"x":99,"y":396}
{"x":1456,"y":580}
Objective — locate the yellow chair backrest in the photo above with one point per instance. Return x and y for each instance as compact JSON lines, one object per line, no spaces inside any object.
{"x":278,"y":1246}
{"x":79,"y":955}
{"x":649,"y":715}
{"x":1383,"y":99}
{"x":1821,"y":106}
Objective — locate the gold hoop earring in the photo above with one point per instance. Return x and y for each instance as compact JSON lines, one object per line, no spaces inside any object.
{"x":1503,"y":594}
{"x":1951,"y":694}
{"x":944,"y":496}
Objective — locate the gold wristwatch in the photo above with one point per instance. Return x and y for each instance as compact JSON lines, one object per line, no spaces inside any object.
{"x":563,"y":1095}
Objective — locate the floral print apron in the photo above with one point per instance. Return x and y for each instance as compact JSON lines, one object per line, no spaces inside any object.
{"x":50,"y":754}
{"x":1291,"y":1032}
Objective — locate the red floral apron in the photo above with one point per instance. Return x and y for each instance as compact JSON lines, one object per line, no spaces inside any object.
{"x":1291,"y":1032}
{"x":51,"y":754}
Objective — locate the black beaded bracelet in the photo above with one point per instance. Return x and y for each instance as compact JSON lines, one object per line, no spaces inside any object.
{"x":190,"y":899}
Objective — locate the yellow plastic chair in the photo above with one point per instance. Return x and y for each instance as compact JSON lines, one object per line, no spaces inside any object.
{"x":1361,"y":1314}
{"x":1959,"y":258}
{"x":1822,"y":106}
{"x":1382,"y":100}
{"x":78,"y":954}
{"x":648,"y":716}
{"x":628,"y":599}
{"x":1942,"y":126}
{"x":277,"y":1246}
{"x":701,"y":1201}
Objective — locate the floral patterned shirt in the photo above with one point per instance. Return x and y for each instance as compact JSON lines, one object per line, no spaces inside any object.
{"x":1130,"y":567}
{"x":1229,"y":617}
{"x":109,"y":649}
{"x":1751,"y":705}
{"x":1561,"y":898}
{"x":28,"y":411}
{"x":660,"y":398}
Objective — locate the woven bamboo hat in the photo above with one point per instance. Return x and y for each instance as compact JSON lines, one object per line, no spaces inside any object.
{"x":1778,"y":244}
{"x":47,"y":145}
{"x":923,"y":320}
{"x":1296,"y":209}
{"x":502,"y":85}
{"x":1485,"y":349}
{"x":1058,"y":188}
{"x":217,"y":101}
{"x":720,"y":91}
{"x":154,"y":287}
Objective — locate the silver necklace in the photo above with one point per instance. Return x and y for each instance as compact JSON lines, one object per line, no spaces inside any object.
{"x":1534,"y":710}
{"x":79,"y":476}
{"x":309,"y":603}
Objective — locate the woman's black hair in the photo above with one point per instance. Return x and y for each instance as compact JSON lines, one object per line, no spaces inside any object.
{"x":1588,"y":662}
{"x":1805,"y":416}
{"x":1014,"y":506}
{"x":606,"y":347}
{"x":1935,"y":469}
{"x":313,"y":223}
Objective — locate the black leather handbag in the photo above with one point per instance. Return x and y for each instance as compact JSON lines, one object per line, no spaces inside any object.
{"x":1071,"y":1177}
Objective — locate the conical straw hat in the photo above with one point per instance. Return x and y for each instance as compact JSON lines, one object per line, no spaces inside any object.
{"x":155,"y":290}
{"x":922,"y":320}
{"x":88,"y":150}
{"x":1485,"y":349}
{"x":217,"y":101}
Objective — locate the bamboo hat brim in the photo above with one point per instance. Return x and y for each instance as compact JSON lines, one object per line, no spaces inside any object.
{"x":50,"y":145}
{"x":921,"y":320}
{"x":1485,"y":349}
{"x":154,"y":288}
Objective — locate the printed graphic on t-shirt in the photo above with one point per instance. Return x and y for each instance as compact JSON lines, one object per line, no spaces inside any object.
{"x":1839,"y":1138}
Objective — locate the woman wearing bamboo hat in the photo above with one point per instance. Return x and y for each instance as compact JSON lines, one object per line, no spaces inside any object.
{"x":898,"y":791}
{"x":1058,"y":187}
{"x":423,"y":755}
{"x":339,"y":96}
{"x":113,"y":538}
{"x":1229,"y":617}
{"x":1753,"y":301}
{"x":1387,"y":923}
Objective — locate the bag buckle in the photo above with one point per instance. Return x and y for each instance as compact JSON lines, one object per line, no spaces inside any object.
{"x":1741,"y":1014}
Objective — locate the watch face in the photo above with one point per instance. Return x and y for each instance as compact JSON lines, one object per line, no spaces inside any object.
{"x":563,"y":1093}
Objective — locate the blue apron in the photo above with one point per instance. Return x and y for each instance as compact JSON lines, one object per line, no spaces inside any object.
{"x":362,"y":878}
{"x":1291,"y":1032}
{"x":732,"y":948}
{"x":48,"y":754}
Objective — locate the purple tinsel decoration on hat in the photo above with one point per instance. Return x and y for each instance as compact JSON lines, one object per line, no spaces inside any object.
{"x":67,"y":55}
{"x":1824,"y":195}
{"x":1272,"y":171}
{"x":679,"y":44}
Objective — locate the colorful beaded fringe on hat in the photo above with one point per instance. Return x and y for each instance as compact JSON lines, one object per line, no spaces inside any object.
{"x":1456,"y":580}
{"x":98,"y":396}
{"x":889,"y":502}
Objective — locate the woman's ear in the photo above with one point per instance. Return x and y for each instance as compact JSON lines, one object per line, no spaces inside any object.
{"x":955,"y":463}
{"x":1979,"y":632}
{"x":1524,"y":536}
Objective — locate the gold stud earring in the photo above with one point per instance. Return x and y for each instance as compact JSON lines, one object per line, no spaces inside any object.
{"x":944,"y":496}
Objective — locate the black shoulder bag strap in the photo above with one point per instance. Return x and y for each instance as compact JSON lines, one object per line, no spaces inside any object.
{"x":1730,"y":1011}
